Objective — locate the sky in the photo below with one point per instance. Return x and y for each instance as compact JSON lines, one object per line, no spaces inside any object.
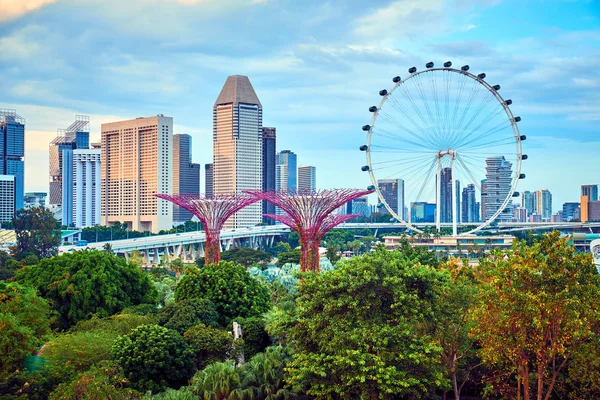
{"x":316,"y":66}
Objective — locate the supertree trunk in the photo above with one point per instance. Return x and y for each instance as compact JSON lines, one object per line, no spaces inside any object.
{"x":310,"y":260}
{"x":212,"y":249}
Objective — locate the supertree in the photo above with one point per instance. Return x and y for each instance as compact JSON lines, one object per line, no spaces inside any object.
{"x":212,"y":213}
{"x":309,"y":213}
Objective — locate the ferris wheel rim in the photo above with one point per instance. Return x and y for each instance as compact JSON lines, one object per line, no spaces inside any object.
{"x":516,"y":134}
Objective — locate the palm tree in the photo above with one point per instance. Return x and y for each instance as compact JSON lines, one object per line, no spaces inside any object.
{"x":262,"y":376}
{"x":218,"y":381}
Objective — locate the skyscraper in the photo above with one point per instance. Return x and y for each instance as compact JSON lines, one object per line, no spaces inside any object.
{"x":457,"y":211}
{"x":497,"y":187}
{"x":469,"y":204}
{"x":569,"y":209}
{"x":392,"y":191}
{"x":422,"y":212}
{"x":360,"y":205}
{"x":307,"y":178}
{"x":136,"y":163}
{"x":208,"y":180}
{"x":591,"y":191}
{"x":76,"y":136}
{"x":543,"y":203}
{"x":7,"y":197}
{"x":286,"y":174}
{"x":528,"y":202}
{"x":12,"y":151}
{"x":237,"y":146}
{"x":86,"y":187}
{"x":269,"y":155}
{"x":186,"y":175}
{"x":445,"y":195}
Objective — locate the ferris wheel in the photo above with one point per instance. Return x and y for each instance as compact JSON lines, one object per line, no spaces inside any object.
{"x":443,"y":148}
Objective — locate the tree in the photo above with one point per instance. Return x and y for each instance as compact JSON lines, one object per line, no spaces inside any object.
{"x":218,"y":381}
{"x":246,"y":256}
{"x":229,"y":286}
{"x":537,"y":306}
{"x":154,"y":358}
{"x":24,"y":324}
{"x":36,"y":231}
{"x":262,"y":377}
{"x":183,"y":314}
{"x":177,"y":266}
{"x":360,"y":331}
{"x":332,"y":254}
{"x":209,"y":344}
{"x":289,"y":257}
{"x":256,"y":339}
{"x":81,"y":349}
{"x":102,"y":381}
{"x":9,"y":266}
{"x":355,"y":246}
{"x":86,"y":283}
{"x":115,"y":325}
{"x":279,"y":248}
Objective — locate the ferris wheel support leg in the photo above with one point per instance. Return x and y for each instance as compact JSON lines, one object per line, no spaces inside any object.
{"x":454,"y":211}
{"x":438,"y":180}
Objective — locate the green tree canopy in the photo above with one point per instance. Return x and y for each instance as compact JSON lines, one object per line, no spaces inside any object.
{"x":154,"y":358}
{"x":289,"y":257}
{"x":86,"y":283}
{"x":210,"y":344}
{"x":256,"y":339}
{"x":24,"y":324}
{"x":361,"y":331}
{"x":536,"y":307}
{"x":183,"y":314}
{"x":229,"y":286}
{"x":37,"y":232}
{"x":246,"y":256}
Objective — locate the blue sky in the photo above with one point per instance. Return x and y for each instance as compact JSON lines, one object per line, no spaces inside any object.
{"x":316,"y":66}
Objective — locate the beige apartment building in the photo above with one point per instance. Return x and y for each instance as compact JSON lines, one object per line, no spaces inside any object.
{"x":237,"y":146}
{"x":136,"y":163}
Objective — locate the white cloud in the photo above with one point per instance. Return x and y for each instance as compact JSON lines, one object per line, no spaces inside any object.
{"x":586,"y":83}
{"x":11,"y":9}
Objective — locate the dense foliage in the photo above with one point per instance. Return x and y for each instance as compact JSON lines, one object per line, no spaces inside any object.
{"x":209,"y":344}
{"x":86,"y":283}
{"x":183,"y":314}
{"x":154,"y":358}
{"x":37,"y":232}
{"x":361,"y":330}
{"x":246,"y":256}
{"x":229,"y":286}
{"x":256,"y":339}
{"x":24,"y":324}
{"x":289,"y":257}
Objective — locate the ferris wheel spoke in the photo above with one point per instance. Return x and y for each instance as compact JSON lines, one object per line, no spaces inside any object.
{"x":409,"y":172}
{"x":414,"y":165}
{"x":419,"y":85}
{"x":397,"y":150}
{"x":432,"y":82}
{"x":403,"y":160}
{"x":487,"y":119}
{"x":408,"y":96}
{"x":492,"y":143}
{"x":475,"y":88}
{"x":497,"y":128}
{"x":398,"y":138}
{"x":398,"y":107}
{"x":485,"y":101}
{"x":469,"y":173}
{"x":395,"y":122}
{"x":427,"y":178}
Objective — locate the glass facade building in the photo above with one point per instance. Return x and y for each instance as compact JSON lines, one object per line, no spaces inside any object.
{"x":12,"y":151}
{"x":269,"y":154}
{"x":186,"y":175}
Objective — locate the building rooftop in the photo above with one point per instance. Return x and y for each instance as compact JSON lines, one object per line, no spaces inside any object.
{"x":238,"y":89}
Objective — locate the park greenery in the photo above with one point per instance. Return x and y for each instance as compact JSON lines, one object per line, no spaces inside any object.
{"x":404,"y":324}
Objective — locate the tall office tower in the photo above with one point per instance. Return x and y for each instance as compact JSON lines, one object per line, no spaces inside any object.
{"x":445,"y":195}
{"x":237,"y":146}
{"x":528,"y":202}
{"x":591,"y":191}
{"x":483,"y":202}
{"x":76,"y":136}
{"x":360,"y":205}
{"x":136,"y":163}
{"x":12,"y":151}
{"x":422,"y":212}
{"x":186,"y":175}
{"x":269,"y":154}
{"x":286,"y":173}
{"x":469,"y":204}
{"x":392,"y":191}
{"x":7,"y":197}
{"x":35,"y":199}
{"x":457,"y":211}
{"x":497,"y":187}
{"x":208,"y":180}
{"x":307,"y":178}
{"x":543,"y":203}
{"x":568,"y":210}
{"x":594,"y":211}
{"x":584,"y":209}
{"x":86,"y":187}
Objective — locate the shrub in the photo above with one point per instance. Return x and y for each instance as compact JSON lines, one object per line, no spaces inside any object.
{"x":209,"y":344}
{"x":256,"y":339}
{"x":184,"y":314}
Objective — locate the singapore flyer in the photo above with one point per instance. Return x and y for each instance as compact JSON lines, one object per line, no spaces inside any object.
{"x":443,"y":148}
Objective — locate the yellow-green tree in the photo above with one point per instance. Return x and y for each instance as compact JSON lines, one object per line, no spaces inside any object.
{"x":537,"y":306}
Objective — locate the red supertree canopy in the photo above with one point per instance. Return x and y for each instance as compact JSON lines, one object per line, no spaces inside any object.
{"x":309,"y":213}
{"x":212,"y":213}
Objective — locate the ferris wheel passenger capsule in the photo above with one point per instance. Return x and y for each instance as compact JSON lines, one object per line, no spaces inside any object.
{"x":517,"y":119}
{"x":429,"y":64}
{"x":396,"y":79}
{"x":371,"y":187}
{"x":481,"y":76}
{"x":522,"y":176}
{"x":524,"y":157}
{"x":364,"y":147}
{"x":364,"y":168}
{"x":464,"y":68}
{"x":448,"y":64}
{"x":508,"y":102}
{"x":373,"y":108}
{"x":516,"y":194}
{"x":496,"y":87}
{"x":366,"y":127}
{"x":382,"y":92}
{"x":412,"y":70}
{"x":523,"y":137}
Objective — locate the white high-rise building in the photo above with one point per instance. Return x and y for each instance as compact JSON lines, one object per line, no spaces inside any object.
{"x":392,"y":191}
{"x":136,"y":164}
{"x":496,"y":189}
{"x":307,"y":178}
{"x":237,"y":146}
{"x":7,"y":197}
{"x":86,"y":187}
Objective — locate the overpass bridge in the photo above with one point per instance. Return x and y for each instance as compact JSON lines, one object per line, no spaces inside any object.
{"x":188,"y":246}
{"x":500,"y":227}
